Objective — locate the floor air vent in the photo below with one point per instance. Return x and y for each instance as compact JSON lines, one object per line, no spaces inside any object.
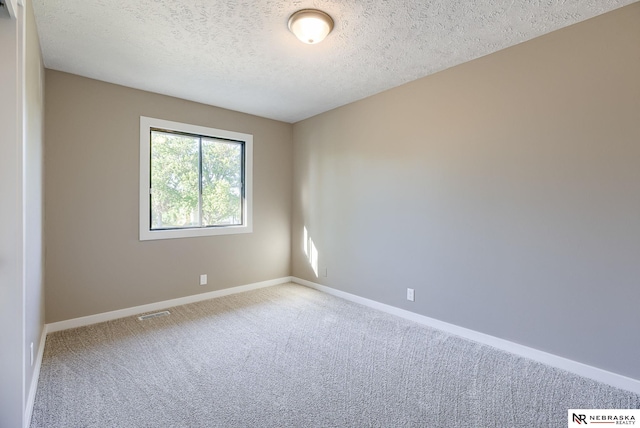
{"x":156,"y":315}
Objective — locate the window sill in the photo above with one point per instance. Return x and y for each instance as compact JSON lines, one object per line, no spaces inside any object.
{"x":151,"y":235}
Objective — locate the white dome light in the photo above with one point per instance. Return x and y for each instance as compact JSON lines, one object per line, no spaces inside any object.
{"x":311,"y":26}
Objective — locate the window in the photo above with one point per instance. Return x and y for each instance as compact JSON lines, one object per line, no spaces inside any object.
{"x":194,"y":181}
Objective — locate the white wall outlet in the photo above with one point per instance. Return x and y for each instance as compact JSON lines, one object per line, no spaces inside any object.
{"x":411,"y":294}
{"x":323,"y":272}
{"x":32,"y":353}
{"x":203,"y":279}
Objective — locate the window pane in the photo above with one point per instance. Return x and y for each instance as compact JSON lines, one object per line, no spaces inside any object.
{"x":174,"y":181}
{"x":221,"y":183}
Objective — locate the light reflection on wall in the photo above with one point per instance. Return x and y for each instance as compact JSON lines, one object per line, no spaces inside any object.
{"x":310,"y":251}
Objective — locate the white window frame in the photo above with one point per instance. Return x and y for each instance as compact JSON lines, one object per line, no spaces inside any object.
{"x":146,"y":233}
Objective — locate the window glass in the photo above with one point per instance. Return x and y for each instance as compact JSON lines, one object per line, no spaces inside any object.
{"x":221,"y":182}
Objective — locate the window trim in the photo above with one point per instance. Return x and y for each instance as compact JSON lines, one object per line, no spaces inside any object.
{"x":145,"y":231}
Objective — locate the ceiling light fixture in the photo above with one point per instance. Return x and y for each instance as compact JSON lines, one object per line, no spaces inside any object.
{"x":311,"y":26}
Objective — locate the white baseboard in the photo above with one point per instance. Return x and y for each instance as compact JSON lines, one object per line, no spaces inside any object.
{"x":604,"y":376}
{"x":121,"y":313}
{"x":613,"y":379}
{"x":31,"y":398}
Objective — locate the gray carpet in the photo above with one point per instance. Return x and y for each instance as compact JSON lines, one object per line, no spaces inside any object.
{"x":290,"y":356}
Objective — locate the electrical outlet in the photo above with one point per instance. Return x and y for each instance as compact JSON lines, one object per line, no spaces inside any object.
{"x":411,"y":294}
{"x":203,"y":279}
{"x":32,"y":353}
{"x":323,"y":272}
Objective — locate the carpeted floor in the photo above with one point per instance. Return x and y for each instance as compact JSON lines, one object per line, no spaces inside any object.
{"x":290,"y":356}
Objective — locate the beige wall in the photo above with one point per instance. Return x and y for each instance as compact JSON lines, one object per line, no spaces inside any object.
{"x":11,"y":242}
{"x":504,"y":190}
{"x":34,"y":195}
{"x":21,"y":244}
{"x":95,"y":262}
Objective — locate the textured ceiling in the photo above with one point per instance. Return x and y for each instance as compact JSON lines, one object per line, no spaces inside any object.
{"x":240,"y":55}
